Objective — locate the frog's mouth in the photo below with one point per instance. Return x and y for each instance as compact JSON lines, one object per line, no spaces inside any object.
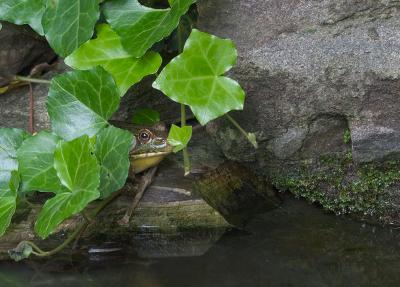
{"x":143,"y":161}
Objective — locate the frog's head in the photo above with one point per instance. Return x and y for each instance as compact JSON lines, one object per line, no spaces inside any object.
{"x":150,"y":147}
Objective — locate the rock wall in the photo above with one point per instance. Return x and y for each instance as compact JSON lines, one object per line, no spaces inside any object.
{"x":322,"y":78}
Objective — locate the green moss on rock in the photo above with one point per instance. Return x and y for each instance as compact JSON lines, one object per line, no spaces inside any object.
{"x":344,"y":188}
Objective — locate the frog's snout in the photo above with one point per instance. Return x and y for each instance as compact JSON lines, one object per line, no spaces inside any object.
{"x":159,"y":142}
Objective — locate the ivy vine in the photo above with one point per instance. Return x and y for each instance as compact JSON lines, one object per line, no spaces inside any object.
{"x":84,"y":158}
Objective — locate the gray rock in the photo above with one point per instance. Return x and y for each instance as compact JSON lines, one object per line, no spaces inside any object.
{"x":14,"y":107}
{"x":20,"y":48}
{"x":300,"y":60}
{"x":312,"y":70}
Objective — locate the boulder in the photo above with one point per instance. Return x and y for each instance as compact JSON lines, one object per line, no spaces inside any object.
{"x":322,"y":81}
{"x":21,"y":49}
{"x":14,"y":107}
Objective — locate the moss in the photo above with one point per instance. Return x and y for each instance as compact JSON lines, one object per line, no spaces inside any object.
{"x":347,"y":136}
{"x":340,"y":186}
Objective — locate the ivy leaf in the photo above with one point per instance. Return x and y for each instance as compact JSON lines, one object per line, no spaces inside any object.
{"x":112,"y":151}
{"x":8,"y":202}
{"x":107,"y":51}
{"x":10,"y":141}
{"x":140,"y":27}
{"x":145,"y":116}
{"x":194,"y":77}
{"x":69,"y":23}
{"x":36,"y":163}
{"x":8,"y":205}
{"x":15,"y":182}
{"x":179,"y":137}
{"x":79,"y":172}
{"x":23,"y":12}
{"x":81,"y":102}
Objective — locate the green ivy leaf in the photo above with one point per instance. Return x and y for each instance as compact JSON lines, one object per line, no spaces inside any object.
{"x":15,"y":182}
{"x":8,"y":205}
{"x":36,"y":163}
{"x":140,"y":27}
{"x":23,"y":12}
{"x":112,"y":151}
{"x":107,"y":51}
{"x":8,"y":202}
{"x":10,"y":141}
{"x":179,"y":137}
{"x":145,"y":116}
{"x":194,"y":77}
{"x":79,"y":172}
{"x":81,"y":102}
{"x":69,"y":23}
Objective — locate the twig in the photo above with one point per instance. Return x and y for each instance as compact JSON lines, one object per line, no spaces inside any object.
{"x":31,"y":110}
{"x":144,"y":184}
{"x":40,"y":69}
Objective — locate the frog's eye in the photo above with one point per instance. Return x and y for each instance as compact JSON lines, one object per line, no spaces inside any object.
{"x":144,"y":136}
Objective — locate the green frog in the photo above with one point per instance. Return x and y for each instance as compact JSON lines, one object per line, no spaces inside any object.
{"x":149,"y":147}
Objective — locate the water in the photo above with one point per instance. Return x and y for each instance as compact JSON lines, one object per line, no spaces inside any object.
{"x":296,"y":245}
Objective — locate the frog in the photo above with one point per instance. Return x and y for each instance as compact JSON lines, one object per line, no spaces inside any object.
{"x":149,"y":148}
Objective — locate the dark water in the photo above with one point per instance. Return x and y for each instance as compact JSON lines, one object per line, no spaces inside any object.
{"x":296,"y":245}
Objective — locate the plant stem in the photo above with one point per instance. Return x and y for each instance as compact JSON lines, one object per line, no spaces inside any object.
{"x":248,"y":136}
{"x":41,"y":253}
{"x":32,"y":80}
{"x":186,"y":159}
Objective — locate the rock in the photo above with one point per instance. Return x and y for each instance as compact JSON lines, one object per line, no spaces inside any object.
{"x":236,"y":193}
{"x":21,"y":49}
{"x":312,"y":70}
{"x":14,"y":108}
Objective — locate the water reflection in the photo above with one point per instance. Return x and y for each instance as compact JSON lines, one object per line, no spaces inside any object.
{"x":296,"y":245}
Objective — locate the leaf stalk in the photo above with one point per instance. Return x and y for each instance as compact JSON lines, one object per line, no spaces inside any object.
{"x":32,"y":80}
{"x":186,"y":159}
{"x":250,"y":137}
